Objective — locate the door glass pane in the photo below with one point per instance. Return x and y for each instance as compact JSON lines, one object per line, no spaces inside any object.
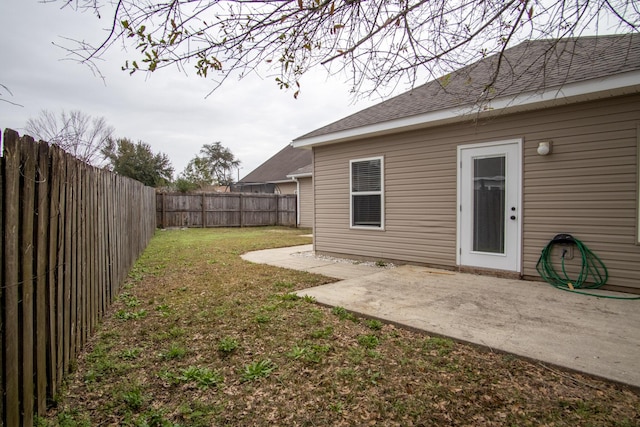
{"x":488,"y":204}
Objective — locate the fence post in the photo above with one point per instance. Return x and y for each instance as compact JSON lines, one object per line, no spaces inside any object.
{"x":203,"y":213}
{"x":42,"y":291}
{"x":28,"y":148}
{"x":240,"y":209}
{"x":10,"y":279}
{"x":164,"y":210}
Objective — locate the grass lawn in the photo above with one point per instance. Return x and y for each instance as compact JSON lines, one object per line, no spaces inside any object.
{"x":200,"y":337}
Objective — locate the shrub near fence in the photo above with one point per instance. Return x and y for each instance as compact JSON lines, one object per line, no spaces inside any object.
{"x":225,"y":210}
{"x":70,"y":234}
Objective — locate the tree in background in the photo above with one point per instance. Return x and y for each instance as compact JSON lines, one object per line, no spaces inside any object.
{"x":137,"y":161}
{"x":379,"y":43}
{"x":213,"y":166}
{"x":75,"y":132}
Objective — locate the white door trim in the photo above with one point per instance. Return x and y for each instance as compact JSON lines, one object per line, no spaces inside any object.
{"x":516,"y":244}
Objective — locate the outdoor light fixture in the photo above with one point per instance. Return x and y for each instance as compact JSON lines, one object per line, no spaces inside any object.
{"x":544,"y":148}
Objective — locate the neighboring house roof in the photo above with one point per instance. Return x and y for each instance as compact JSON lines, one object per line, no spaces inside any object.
{"x":302,"y":172}
{"x":279,"y":166}
{"x":531,"y":75}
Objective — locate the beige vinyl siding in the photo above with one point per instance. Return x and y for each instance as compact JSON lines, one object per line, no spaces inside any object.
{"x":287,"y":187}
{"x":587,"y":187}
{"x":305,"y":196}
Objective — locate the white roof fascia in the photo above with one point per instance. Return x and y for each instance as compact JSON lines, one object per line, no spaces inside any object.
{"x":300,"y":175}
{"x":282,"y":181}
{"x":616,"y":85}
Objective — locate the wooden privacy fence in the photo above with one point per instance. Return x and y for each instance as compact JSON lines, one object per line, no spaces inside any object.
{"x":70,"y":234}
{"x":225,"y":210}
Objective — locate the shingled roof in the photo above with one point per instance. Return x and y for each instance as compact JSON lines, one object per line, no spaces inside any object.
{"x":279,"y":166}
{"x":531,"y":67}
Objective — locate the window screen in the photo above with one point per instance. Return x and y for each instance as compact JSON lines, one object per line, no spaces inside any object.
{"x":366,"y":193}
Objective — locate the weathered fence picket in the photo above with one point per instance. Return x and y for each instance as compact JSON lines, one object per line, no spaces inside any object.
{"x":225,"y":210}
{"x":70,"y":235}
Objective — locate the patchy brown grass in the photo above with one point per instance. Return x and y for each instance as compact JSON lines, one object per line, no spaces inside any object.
{"x":202,"y":338}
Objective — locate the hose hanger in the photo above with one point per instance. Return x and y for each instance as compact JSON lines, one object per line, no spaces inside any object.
{"x":592,"y":271}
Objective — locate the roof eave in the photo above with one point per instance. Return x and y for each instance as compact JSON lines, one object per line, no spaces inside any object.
{"x":300,"y":175}
{"x":616,"y":85}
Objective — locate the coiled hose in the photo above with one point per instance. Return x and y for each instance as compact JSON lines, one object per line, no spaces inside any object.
{"x":592,"y":266}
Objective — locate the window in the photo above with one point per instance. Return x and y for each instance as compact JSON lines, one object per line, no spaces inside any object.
{"x":367,"y":198}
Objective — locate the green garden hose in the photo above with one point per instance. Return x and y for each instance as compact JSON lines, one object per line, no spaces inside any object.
{"x":592,"y":267}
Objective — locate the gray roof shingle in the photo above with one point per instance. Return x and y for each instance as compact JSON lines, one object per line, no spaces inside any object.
{"x":279,"y":166}
{"x":528,"y":67}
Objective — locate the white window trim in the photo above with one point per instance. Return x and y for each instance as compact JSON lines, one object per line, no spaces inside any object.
{"x":367,"y":193}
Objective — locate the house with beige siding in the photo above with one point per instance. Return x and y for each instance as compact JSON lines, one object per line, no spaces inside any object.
{"x":286,"y":172}
{"x":477,"y":171}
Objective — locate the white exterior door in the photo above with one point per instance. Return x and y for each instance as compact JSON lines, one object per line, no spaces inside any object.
{"x":489,"y":202}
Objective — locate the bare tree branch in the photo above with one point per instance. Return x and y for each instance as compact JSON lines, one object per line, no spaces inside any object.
{"x":378,"y":43}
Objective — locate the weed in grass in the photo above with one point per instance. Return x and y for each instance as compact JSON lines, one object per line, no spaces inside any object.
{"x":129,"y":300}
{"x":325,"y":332}
{"x":297,"y":352}
{"x":374,"y":376}
{"x":130,"y":353}
{"x":374,"y":324}
{"x":311,"y":353}
{"x":174,"y":352}
{"x":197,"y":413}
{"x":309,"y":299}
{"x":368,"y":341}
{"x":168,"y":376}
{"x":133,"y":398}
{"x":374,"y":354}
{"x":347,"y":373}
{"x":262,"y":319}
{"x":356,"y":355}
{"x":72,"y":419}
{"x":164,"y":309}
{"x":257,"y":370}
{"x":284,"y":285}
{"x":336,"y":407}
{"x":136,"y":274}
{"x":269,"y":307}
{"x":441,"y":346}
{"x":289,"y":297}
{"x":176,"y":332}
{"x":313,"y":317}
{"x":100,"y":364}
{"x":227,"y":345}
{"x":203,"y":377}
{"x":381,"y":263}
{"x":343,"y":314}
{"x":154,"y":418}
{"x":131,"y":315}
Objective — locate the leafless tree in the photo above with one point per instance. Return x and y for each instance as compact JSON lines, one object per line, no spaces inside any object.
{"x":75,"y":132}
{"x":378,"y":43}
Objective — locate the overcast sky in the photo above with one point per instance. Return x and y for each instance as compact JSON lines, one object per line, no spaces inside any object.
{"x":167,"y":109}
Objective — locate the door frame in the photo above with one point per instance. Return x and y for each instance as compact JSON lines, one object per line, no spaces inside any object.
{"x":517,"y":143}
